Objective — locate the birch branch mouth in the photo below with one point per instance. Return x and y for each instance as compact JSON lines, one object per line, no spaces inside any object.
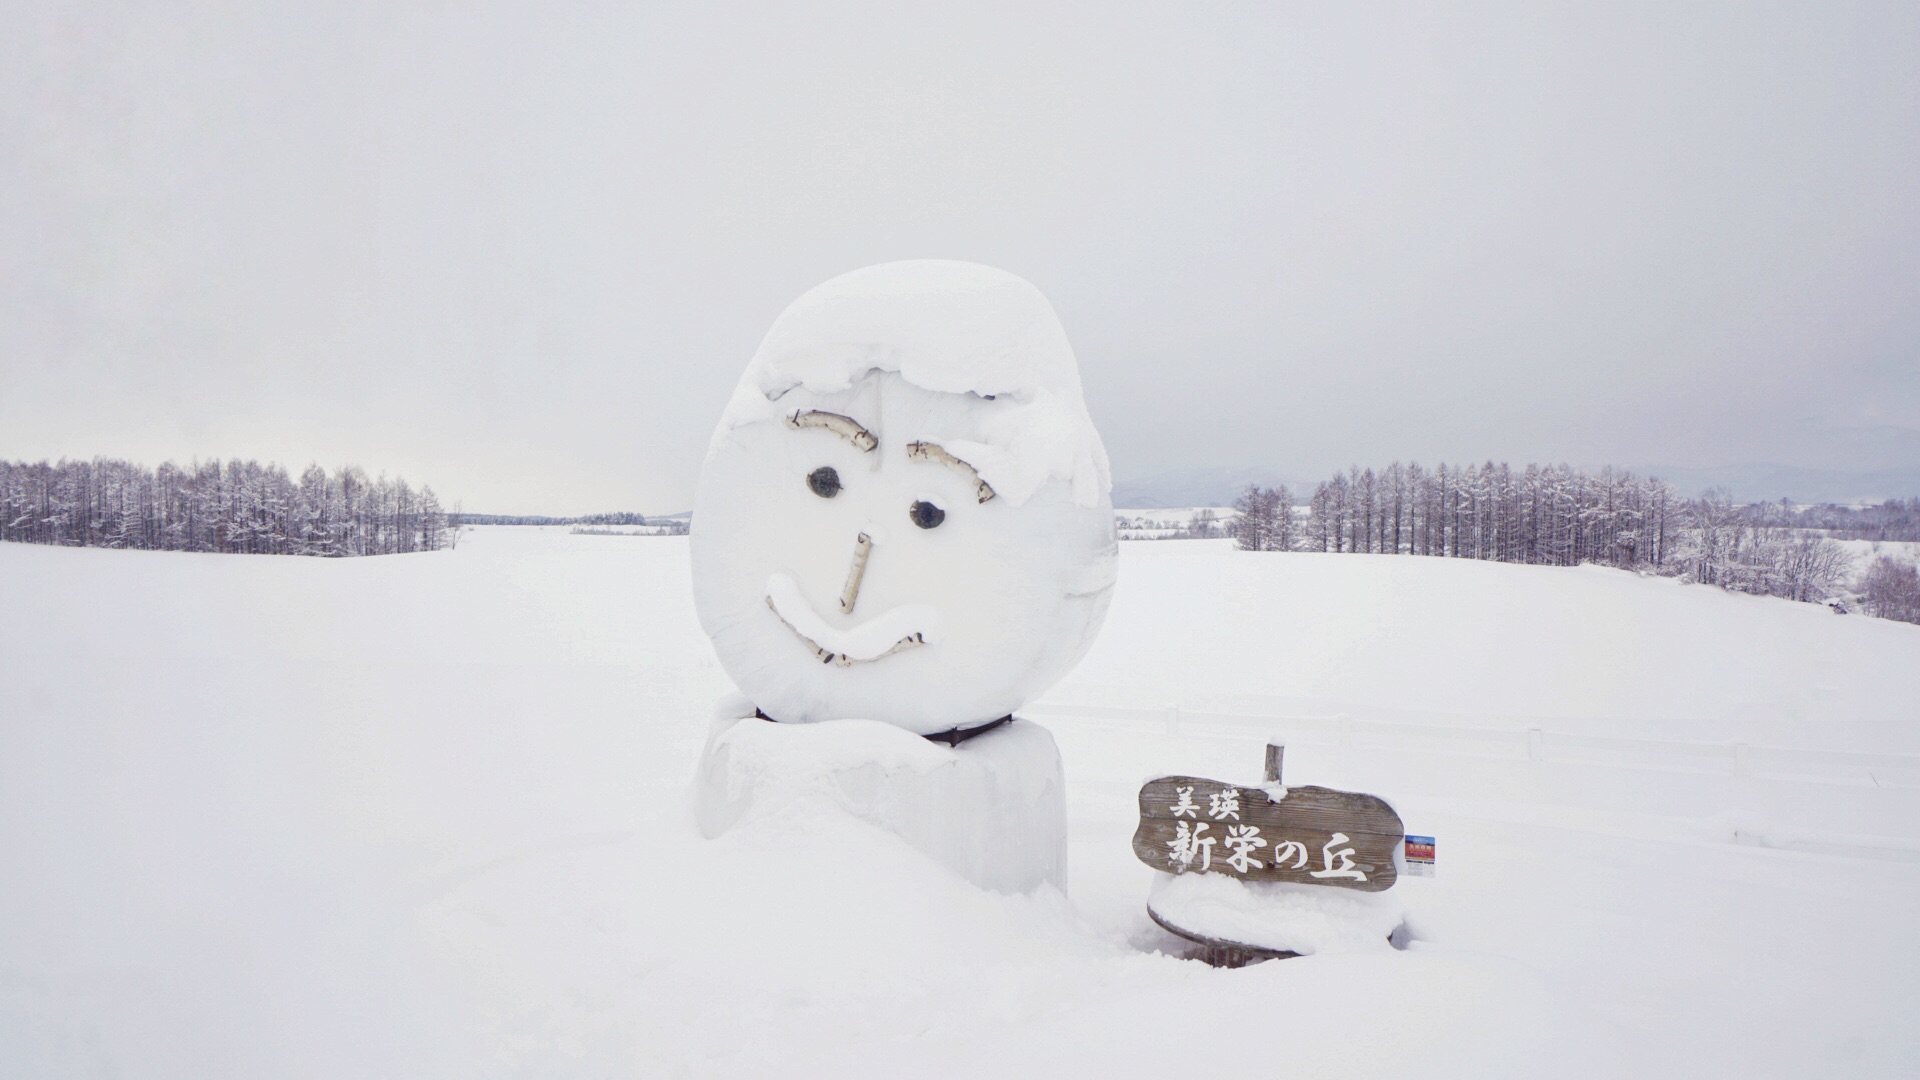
{"x":899,"y":629}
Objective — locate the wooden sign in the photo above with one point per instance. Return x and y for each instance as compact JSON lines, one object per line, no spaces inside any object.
{"x":1314,"y":835}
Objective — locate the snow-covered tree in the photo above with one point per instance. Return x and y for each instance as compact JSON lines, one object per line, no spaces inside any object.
{"x":235,"y":506}
{"x":1255,"y":522}
{"x":1891,"y":589}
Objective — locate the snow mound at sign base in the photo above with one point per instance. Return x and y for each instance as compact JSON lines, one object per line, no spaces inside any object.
{"x":1278,"y":915}
{"x":949,"y":327}
{"x":993,"y":809}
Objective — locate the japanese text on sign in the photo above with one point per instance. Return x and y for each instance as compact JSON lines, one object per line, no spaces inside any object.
{"x":1310,"y":835}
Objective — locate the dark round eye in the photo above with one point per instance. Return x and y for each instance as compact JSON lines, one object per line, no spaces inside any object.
{"x":926,"y":515}
{"x":824,"y":481}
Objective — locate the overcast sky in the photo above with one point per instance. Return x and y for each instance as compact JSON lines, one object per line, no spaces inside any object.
{"x":523,"y":252}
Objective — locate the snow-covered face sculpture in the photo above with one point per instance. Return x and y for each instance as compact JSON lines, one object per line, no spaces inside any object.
{"x":905,"y":514}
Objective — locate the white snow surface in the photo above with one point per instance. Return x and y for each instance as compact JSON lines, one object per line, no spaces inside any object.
{"x":428,"y":815}
{"x":949,"y":327}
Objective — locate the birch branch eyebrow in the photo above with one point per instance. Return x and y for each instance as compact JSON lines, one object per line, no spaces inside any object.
{"x":928,"y":451}
{"x":844,"y":426}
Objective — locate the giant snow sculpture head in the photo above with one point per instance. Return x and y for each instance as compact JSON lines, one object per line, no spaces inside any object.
{"x":905,"y":514}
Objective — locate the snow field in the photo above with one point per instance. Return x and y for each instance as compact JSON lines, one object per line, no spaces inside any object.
{"x":427,"y":815}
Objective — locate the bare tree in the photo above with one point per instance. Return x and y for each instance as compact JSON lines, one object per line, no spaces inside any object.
{"x":1286,"y":527}
{"x":1254,"y":524}
{"x":1891,"y":589}
{"x":1812,"y":568}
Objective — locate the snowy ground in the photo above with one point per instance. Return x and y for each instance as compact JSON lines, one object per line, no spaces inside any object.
{"x":425,"y":815}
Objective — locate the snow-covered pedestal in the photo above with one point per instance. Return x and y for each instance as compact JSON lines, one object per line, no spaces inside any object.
{"x":992,"y":809}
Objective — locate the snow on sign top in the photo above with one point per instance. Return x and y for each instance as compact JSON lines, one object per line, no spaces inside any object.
{"x":949,"y":327}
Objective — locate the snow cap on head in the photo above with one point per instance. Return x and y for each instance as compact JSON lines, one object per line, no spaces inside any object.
{"x":949,"y":327}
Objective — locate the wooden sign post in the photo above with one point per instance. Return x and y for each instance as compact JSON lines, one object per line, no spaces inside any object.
{"x":1306,"y":835}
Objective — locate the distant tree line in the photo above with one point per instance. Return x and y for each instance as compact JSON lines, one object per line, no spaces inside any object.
{"x":1894,"y":519}
{"x":232,"y":506}
{"x":1557,"y":515}
{"x":621,"y":518}
{"x":1204,"y":524}
{"x":1551,"y":515}
{"x":656,"y":527}
{"x":1780,"y":549}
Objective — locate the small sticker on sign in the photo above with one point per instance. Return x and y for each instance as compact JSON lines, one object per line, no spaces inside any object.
{"x":1419,"y":856}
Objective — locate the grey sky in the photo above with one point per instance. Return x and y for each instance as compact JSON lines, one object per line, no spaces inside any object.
{"x":523,"y":252}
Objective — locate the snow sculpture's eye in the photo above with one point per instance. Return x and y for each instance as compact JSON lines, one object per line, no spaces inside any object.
{"x":926,"y":515}
{"x":825,"y":481}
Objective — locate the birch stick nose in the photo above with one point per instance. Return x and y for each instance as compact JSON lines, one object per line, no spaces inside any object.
{"x":851,"y":594}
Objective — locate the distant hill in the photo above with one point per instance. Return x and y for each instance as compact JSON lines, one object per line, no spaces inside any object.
{"x":1195,"y":487}
{"x":1767,"y":482}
